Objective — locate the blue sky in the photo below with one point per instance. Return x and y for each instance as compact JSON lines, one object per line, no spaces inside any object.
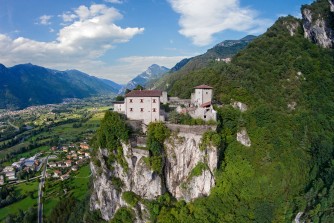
{"x":117,"y":39}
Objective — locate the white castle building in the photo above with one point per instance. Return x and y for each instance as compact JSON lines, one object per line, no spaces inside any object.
{"x":144,"y":105}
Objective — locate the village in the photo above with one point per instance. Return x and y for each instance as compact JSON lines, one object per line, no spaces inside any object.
{"x":60,"y":160}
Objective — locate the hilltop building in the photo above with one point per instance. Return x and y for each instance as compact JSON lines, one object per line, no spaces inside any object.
{"x":144,"y":105}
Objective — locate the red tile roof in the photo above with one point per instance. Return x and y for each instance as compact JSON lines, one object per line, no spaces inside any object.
{"x":206,"y":104}
{"x":203,"y":86}
{"x":144,"y":93}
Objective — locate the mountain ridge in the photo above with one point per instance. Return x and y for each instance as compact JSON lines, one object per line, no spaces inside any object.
{"x":27,"y":84}
{"x":222,"y":50}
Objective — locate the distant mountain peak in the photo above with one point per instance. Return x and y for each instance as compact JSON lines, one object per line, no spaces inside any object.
{"x":248,"y":38}
{"x":2,"y":67}
{"x":230,"y":43}
{"x":153,"y":72}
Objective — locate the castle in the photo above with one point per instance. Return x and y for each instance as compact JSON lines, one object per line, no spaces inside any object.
{"x":145,"y":105}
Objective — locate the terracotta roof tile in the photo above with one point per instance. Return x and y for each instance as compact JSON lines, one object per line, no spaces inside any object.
{"x":206,"y":104}
{"x":203,"y":86}
{"x":144,"y":93}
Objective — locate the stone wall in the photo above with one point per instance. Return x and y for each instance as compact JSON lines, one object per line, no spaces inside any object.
{"x":194,"y":129}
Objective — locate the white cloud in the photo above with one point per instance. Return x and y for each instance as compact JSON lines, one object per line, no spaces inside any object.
{"x":68,"y":16}
{"x":91,"y":33}
{"x":201,"y":19}
{"x":45,"y":19}
{"x":114,"y":1}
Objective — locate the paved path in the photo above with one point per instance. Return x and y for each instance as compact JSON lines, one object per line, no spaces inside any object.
{"x":40,"y":192}
{"x":14,"y":126}
{"x":84,"y":177}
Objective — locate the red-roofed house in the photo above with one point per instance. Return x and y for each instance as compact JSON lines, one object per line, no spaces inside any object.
{"x":202,"y":95}
{"x":202,"y":101}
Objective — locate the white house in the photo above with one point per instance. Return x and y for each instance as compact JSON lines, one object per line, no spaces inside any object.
{"x":119,"y":106}
{"x":143,"y":105}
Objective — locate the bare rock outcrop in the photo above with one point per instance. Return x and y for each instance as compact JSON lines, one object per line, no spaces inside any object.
{"x":139,"y":178}
{"x":317,"y":27}
{"x":243,"y":138}
{"x":182,"y":155}
{"x":240,"y":106}
{"x":292,"y":27}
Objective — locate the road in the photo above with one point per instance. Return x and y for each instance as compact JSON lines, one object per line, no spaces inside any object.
{"x":40,"y":192}
{"x":14,"y":126}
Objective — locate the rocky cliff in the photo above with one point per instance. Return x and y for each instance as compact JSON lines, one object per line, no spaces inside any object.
{"x":187,"y":174}
{"x":318,"y":24}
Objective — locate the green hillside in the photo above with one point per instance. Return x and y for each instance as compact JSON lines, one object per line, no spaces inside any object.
{"x":225,"y":49}
{"x":288,"y":84}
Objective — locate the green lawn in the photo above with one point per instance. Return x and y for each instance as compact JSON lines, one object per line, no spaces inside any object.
{"x":80,"y":182}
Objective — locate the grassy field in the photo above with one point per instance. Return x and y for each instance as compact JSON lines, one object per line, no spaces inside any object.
{"x":24,"y":204}
{"x":80,"y":182}
{"x":49,"y":204}
{"x":65,"y":132}
{"x":33,"y":152}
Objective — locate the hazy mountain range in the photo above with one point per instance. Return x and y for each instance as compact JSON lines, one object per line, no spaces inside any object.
{"x":27,"y":84}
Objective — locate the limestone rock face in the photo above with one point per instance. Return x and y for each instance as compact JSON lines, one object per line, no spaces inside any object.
{"x":146,"y":183}
{"x":317,"y":28}
{"x":240,"y":106}
{"x":243,"y":138}
{"x":292,"y":27}
{"x":182,"y":156}
{"x":331,"y":5}
{"x":138,"y":178}
{"x":199,"y":186}
{"x":105,"y":197}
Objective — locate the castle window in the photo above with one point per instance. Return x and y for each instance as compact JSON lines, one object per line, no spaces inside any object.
{"x":131,"y":109}
{"x":154,"y":109}
{"x":141,"y":100}
{"x":141,"y":109}
{"x":154,"y":100}
{"x":204,"y":116}
{"x":130,"y":100}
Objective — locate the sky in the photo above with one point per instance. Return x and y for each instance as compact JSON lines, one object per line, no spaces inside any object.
{"x":118,"y":39}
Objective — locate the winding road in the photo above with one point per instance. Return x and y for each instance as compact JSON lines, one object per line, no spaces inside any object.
{"x":40,"y":192}
{"x":14,"y":126}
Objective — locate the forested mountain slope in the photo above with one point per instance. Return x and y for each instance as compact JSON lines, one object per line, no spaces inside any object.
{"x":287,"y":81}
{"x":223,"y":50}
